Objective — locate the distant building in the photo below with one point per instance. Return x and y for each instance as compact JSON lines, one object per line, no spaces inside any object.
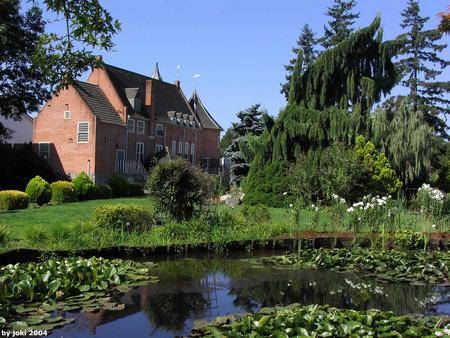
{"x":21,"y":130}
{"x":118,"y":119}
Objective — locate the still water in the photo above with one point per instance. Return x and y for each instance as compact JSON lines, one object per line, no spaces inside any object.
{"x":192,"y":289}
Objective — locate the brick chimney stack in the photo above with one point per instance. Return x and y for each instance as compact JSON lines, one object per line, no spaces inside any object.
{"x":177,"y":83}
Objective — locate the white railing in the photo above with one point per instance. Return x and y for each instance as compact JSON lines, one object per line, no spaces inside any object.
{"x":131,"y":168}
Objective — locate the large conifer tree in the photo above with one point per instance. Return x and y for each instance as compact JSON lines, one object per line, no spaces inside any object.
{"x":421,"y":65}
{"x":306,"y":43}
{"x":250,"y":123}
{"x":341,"y":21}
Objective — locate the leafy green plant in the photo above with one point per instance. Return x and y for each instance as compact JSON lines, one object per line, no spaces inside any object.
{"x":431,"y":201}
{"x":39,"y":191}
{"x":135,"y":189}
{"x":316,"y":320}
{"x":103,"y":191}
{"x":409,"y":240}
{"x":119,"y":185}
{"x":36,"y":236}
{"x":126,"y":217}
{"x":4,"y":234}
{"x":13,"y":200}
{"x":178,"y":187}
{"x":255,"y":214}
{"x":84,"y":187}
{"x":63,"y":192}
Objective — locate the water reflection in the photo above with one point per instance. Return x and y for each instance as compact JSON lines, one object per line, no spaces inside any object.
{"x":193,"y":289}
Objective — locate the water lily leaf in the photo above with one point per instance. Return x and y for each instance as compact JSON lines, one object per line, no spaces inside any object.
{"x":54,"y":285}
{"x":2,"y":320}
{"x":84,"y":288}
{"x":19,"y":325}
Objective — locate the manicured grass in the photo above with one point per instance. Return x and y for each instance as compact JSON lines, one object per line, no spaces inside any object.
{"x":49,"y":216}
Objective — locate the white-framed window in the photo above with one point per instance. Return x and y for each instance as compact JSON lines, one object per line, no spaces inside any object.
{"x":140,"y":127}
{"x":186,"y":149}
{"x":174,"y":147}
{"x":67,"y":114}
{"x":130,"y":125}
{"x":158,"y":148}
{"x":44,"y":150}
{"x":159,"y":129}
{"x":180,"y":148}
{"x":83,"y":132}
{"x":139,"y":152}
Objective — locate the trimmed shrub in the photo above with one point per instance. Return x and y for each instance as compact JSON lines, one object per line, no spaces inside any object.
{"x":119,"y":185}
{"x":103,"y":191}
{"x":126,"y":217}
{"x":39,"y":191}
{"x":63,"y":192}
{"x":255,"y":214}
{"x":135,"y":189}
{"x":84,"y":187}
{"x":178,"y":187}
{"x":13,"y":199}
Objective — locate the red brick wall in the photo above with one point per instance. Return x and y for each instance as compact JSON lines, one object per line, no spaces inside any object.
{"x":208,"y":143}
{"x":175,"y":133}
{"x":66,"y":155}
{"x":110,"y":138}
{"x":100,"y":77}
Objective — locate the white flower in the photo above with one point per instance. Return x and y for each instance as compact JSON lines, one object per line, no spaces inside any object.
{"x":291,"y":205}
{"x":433,"y":226}
{"x":335,"y":196}
{"x":285,"y":193}
{"x":384,"y":198}
{"x":316,"y":208}
{"x":439,"y":333}
{"x":342,"y":201}
{"x":313,"y":206}
{"x":381,"y":201}
{"x":350,"y":209}
{"x":359,"y":204}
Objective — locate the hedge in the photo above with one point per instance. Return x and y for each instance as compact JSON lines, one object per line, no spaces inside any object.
{"x":13,"y":200}
{"x":125,"y":217}
{"x":39,"y":191}
{"x":63,"y":192}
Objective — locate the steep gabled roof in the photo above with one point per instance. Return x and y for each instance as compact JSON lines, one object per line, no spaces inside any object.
{"x":127,"y":83}
{"x":168,"y":97}
{"x":97,"y":101}
{"x":203,"y":115}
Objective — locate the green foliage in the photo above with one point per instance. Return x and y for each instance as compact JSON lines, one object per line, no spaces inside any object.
{"x":119,"y":185}
{"x":321,"y":321}
{"x":266,"y":186}
{"x":255,"y":214}
{"x":431,"y":201}
{"x":103,"y":191}
{"x":36,"y":236}
{"x":63,"y":192}
{"x":409,"y":240}
{"x":55,"y":278}
{"x":383,"y":178}
{"x":178,"y":187}
{"x":23,"y":165}
{"x":340,"y":25}
{"x":220,"y":185}
{"x":226,"y":140}
{"x":126,"y":217}
{"x":306,"y":45}
{"x":84,"y":187}
{"x":13,"y":200}
{"x":421,"y":65}
{"x":135,"y":189}
{"x":406,"y":139}
{"x":39,"y":191}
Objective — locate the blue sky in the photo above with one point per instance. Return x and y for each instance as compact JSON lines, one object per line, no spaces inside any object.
{"x":238,"y":47}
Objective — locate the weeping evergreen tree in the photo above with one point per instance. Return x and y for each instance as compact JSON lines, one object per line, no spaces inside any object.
{"x":306,"y":43}
{"x":330,"y":101}
{"x":405,"y":138}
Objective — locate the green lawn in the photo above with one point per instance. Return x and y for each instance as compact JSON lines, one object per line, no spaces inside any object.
{"x":20,"y":221}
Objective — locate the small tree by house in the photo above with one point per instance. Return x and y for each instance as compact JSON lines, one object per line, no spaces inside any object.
{"x":178,"y":187}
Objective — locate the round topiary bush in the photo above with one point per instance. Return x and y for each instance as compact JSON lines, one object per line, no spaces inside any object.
{"x":103,"y":191}
{"x":13,"y":200}
{"x":119,"y":185}
{"x":63,"y":192}
{"x":39,"y":190}
{"x":178,"y":187}
{"x":84,"y":187}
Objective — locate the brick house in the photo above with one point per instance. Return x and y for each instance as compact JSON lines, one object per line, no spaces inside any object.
{"x":117,"y":120}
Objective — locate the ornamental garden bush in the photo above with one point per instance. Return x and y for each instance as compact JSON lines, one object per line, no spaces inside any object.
{"x":84,"y":187}
{"x":178,"y":186}
{"x":39,"y":191}
{"x":255,"y":214}
{"x":63,"y":192}
{"x":119,"y":185}
{"x":13,"y":200}
{"x":103,"y":191}
{"x":125,"y":217}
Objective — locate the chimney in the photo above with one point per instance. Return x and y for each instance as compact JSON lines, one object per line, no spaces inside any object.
{"x":177,"y":83}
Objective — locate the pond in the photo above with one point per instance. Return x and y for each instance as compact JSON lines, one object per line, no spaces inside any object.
{"x":204,"y":288}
